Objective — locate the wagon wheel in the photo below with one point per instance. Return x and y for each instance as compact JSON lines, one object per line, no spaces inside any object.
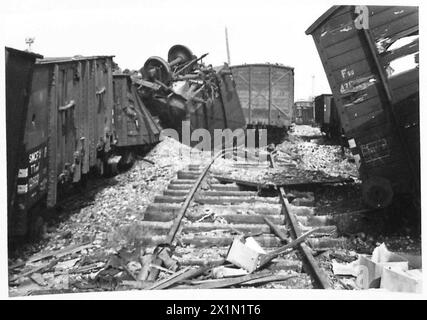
{"x":156,"y":68}
{"x":377,"y":192}
{"x":179,"y":55}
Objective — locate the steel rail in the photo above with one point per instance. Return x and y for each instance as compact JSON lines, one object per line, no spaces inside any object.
{"x":172,"y":233}
{"x":310,"y":264}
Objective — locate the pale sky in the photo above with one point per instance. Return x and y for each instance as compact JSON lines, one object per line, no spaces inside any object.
{"x":259,"y":32}
{"x":133,"y":30}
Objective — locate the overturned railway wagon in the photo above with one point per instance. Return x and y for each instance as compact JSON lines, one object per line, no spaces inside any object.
{"x":326,"y":115}
{"x":222,"y":112}
{"x":186,"y":95}
{"x":370,"y":55}
{"x":266,"y":93}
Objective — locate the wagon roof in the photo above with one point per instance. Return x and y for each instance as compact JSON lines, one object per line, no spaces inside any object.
{"x":323,"y":95}
{"x":276,"y":65}
{"x":69,"y":59}
{"x":24,"y":53}
{"x":321,"y":19}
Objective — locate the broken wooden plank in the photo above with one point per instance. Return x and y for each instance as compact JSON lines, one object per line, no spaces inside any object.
{"x":268,"y":279}
{"x":154,"y":272}
{"x":57,"y":254}
{"x":276,"y":230}
{"x":223,"y":283}
{"x":243,"y":182}
{"x":161,"y":268}
{"x":147,"y":160}
{"x":146,"y":262}
{"x":181,"y":275}
{"x":47,"y":265}
{"x":88,"y":267}
{"x":270,"y":256}
{"x":136,"y":284}
{"x":271,"y":184}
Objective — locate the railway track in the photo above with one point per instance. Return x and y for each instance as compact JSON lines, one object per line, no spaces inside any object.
{"x":199,"y":217}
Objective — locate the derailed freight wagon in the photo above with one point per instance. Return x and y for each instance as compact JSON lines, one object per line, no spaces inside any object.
{"x":326,"y":115}
{"x":19,"y":70}
{"x":370,"y":55}
{"x":186,"y":94}
{"x":74,"y":122}
{"x":223,"y":111}
{"x":266,"y":93}
{"x":133,"y":126}
{"x":67,"y":125}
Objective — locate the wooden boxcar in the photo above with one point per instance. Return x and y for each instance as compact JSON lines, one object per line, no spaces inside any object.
{"x":304,"y":112}
{"x":370,"y":56}
{"x":326,"y":115}
{"x":266,"y":93}
{"x":66,"y":127}
{"x":65,"y":117}
{"x":19,"y":70}
{"x":77,"y":94}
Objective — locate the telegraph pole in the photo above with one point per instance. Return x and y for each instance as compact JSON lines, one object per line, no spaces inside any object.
{"x":313,"y":78}
{"x":228,"y":48}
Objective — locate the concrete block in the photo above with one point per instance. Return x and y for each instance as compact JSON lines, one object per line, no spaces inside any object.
{"x":401,"y":281}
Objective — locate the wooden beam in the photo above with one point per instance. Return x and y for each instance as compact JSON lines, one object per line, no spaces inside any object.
{"x":179,"y":276}
{"x":276,"y":230}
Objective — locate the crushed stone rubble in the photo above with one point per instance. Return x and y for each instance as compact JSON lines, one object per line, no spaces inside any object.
{"x":120,"y":203}
{"x":298,"y":162}
{"x":99,"y":246}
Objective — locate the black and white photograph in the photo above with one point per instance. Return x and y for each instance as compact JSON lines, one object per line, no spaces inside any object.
{"x":211,"y":149}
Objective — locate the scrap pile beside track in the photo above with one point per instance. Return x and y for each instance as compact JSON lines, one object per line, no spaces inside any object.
{"x":299,"y":162}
